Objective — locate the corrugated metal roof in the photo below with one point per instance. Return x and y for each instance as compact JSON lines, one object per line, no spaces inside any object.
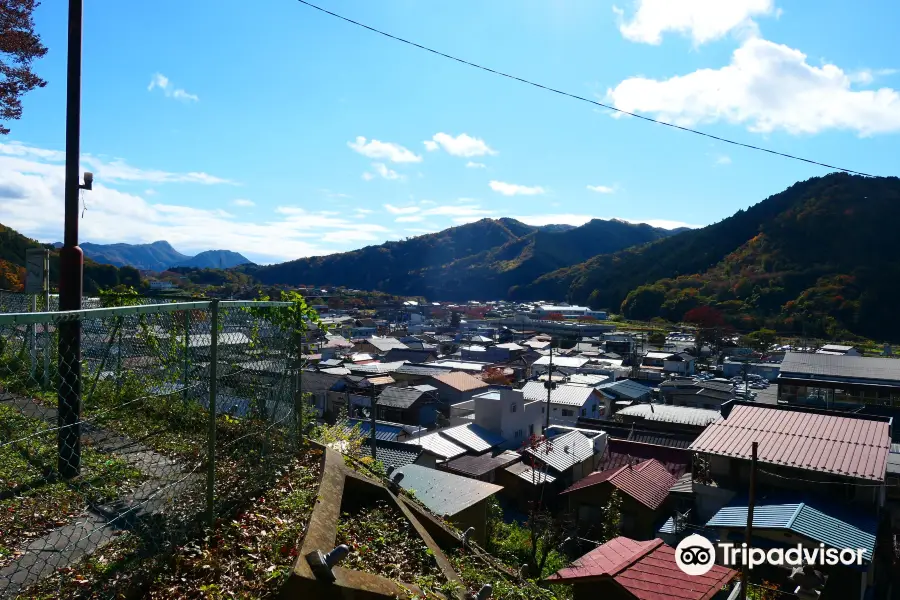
{"x":886,"y":370}
{"x":562,"y":361}
{"x":461,"y":381}
{"x":421,"y":370}
{"x":392,"y":454}
{"x":585,"y":379}
{"x":445,"y":493}
{"x":893,"y":464}
{"x":562,"y":452}
{"x":476,"y":466}
{"x":438,"y":445}
{"x":621,"y":452}
{"x":523,"y":471}
{"x":568,"y":395}
{"x":647,"y":570}
{"x":399,"y":397}
{"x":386,"y":343}
{"x":647,"y":482}
{"x":375,"y":367}
{"x":682,"y":415}
{"x":382,"y":432}
{"x":803,"y":519}
{"x":473,"y":437}
{"x":850,"y":446}
{"x":625,"y":388}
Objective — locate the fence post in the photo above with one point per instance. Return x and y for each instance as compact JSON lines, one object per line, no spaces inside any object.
{"x":32,"y":340}
{"x":211,"y":437}
{"x":187,"y":361}
{"x":298,"y":403}
{"x":69,"y":398}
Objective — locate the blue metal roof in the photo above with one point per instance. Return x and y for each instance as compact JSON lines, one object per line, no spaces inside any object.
{"x":383,"y":432}
{"x":803,"y":519}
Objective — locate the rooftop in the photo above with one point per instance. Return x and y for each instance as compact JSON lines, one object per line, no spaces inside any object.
{"x":477,"y":466}
{"x":621,"y":452}
{"x":647,"y":570}
{"x":562,"y":361}
{"x":393,"y":454}
{"x":461,"y":381}
{"x":625,"y":388}
{"x":397,"y":397}
{"x":801,"y":365}
{"x":445,"y":493}
{"x":681,"y":415}
{"x":853,"y":446}
{"x":563,"y":452}
{"x":383,"y":344}
{"x":473,"y":437}
{"x":533,"y":476}
{"x":647,"y":482}
{"x":568,"y":395}
{"x":438,"y":445}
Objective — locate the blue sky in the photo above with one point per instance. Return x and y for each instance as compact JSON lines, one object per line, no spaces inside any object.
{"x":278,"y":131}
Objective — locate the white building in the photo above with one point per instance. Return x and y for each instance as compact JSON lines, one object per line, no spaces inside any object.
{"x":567,"y":402}
{"x":509,"y":414}
{"x":569,"y":312}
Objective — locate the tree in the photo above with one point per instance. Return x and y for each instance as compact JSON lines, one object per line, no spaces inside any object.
{"x":19,"y":47}
{"x":762,"y":340}
{"x":612,"y":517}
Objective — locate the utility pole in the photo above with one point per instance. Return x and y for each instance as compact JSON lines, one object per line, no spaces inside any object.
{"x":550,"y":385}
{"x":71,"y":261}
{"x":745,"y":577}
{"x":372,"y":424}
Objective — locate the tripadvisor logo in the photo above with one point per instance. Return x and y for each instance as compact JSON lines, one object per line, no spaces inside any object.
{"x":696,"y":555}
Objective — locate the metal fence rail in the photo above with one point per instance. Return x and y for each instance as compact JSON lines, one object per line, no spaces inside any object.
{"x":185,"y":410}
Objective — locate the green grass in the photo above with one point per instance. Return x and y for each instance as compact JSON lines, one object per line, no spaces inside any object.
{"x":42,"y":502}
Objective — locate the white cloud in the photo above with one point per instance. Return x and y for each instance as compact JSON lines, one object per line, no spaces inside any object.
{"x":243,"y":202}
{"x":723,"y":159}
{"x":109,"y":171}
{"x":453,"y":210}
{"x":410,"y":219}
{"x":162,"y":82}
{"x":767,"y":87}
{"x":150,"y":192}
{"x":381,"y":170}
{"x":401,"y":210}
{"x":578,"y":219}
{"x":475,"y":165}
{"x":701,"y":20}
{"x":461,"y":145}
{"x":32,"y":188}
{"x":384,"y":150}
{"x":332,"y":194}
{"x":363,"y":211}
{"x":601,"y":189}
{"x":513,"y":189}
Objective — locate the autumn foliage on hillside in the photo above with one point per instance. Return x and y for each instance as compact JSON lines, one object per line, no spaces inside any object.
{"x":12,"y":276}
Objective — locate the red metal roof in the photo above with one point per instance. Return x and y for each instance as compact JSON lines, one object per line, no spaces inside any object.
{"x":647,"y":570}
{"x":625,"y":452}
{"x":851,"y":446}
{"x":647,"y":482}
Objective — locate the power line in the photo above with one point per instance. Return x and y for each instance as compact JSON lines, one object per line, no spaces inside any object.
{"x":582,"y":98}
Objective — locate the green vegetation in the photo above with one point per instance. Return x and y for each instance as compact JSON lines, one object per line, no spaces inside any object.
{"x":477,"y":260}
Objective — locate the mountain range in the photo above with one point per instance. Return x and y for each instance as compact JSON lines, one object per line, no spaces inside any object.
{"x":158,"y":256}
{"x":481,"y":260}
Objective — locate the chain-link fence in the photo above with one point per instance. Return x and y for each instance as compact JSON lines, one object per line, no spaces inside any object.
{"x":174,"y":414}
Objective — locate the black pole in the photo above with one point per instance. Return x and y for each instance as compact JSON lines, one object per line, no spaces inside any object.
{"x":373,"y":423}
{"x":745,"y":577}
{"x":550,"y":385}
{"x":71,"y":264}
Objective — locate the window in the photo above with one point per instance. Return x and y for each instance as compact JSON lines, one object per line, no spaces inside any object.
{"x":584,"y":412}
{"x":531,"y":430}
{"x":512,"y":407}
{"x":568,"y":413}
{"x":518,"y":433}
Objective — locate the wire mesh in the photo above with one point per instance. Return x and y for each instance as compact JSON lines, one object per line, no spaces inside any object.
{"x":176,"y":414}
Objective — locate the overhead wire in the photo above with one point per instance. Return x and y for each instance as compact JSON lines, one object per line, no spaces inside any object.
{"x":581,"y":98}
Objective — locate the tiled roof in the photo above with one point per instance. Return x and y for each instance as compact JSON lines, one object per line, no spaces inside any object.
{"x":317,"y":382}
{"x":647,"y":570}
{"x":393,"y":454}
{"x":568,"y":395}
{"x":647,"y":482}
{"x":461,"y":381}
{"x":472,"y":436}
{"x":523,"y":471}
{"x":476,"y":466}
{"x":381,"y":380}
{"x":445,"y":493}
{"x":438,"y":445}
{"x":682,"y":415}
{"x":636,"y":434}
{"x":562,"y":452}
{"x":815,"y":441}
{"x":820,"y":524}
{"x":823,"y":366}
{"x":397,"y":397}
{"x":382,"y":431}
{"x":374,"y":367}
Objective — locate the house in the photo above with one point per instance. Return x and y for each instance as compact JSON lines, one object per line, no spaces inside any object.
{"x":456,"y":386}
{"x":410,"y":355}
{"x":838,"y":350}
{"x":471,"y":367}
{"x":397,"y":454}
{"x":410,"y":405}
{"x":668,"y":418}
{"x":472,"y":437}
{"x":318,"y":385}
{"x":625,"y":569}
{"x":562,"y":364}
{"x":569,"y":457}
{"x":698,"y":394}
{"x":622,"y":393}
{"x":788,"y":520}
{"x":438,"y":446}
{"x":738,"y":368}
{"x":416,"y":374}
{"x":483,"y":466}
{"x":839,"y":382}
{"x":642,"y":487}
{"x":842,"y":456}
{"x":567,"y":402}
{"x":568,"y":312}
{"x":619,"y":343}
{"x":506,"y":412}
{"x":378,"y":345}
{"x":680,"y":363}
{"x":461,"y":500}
